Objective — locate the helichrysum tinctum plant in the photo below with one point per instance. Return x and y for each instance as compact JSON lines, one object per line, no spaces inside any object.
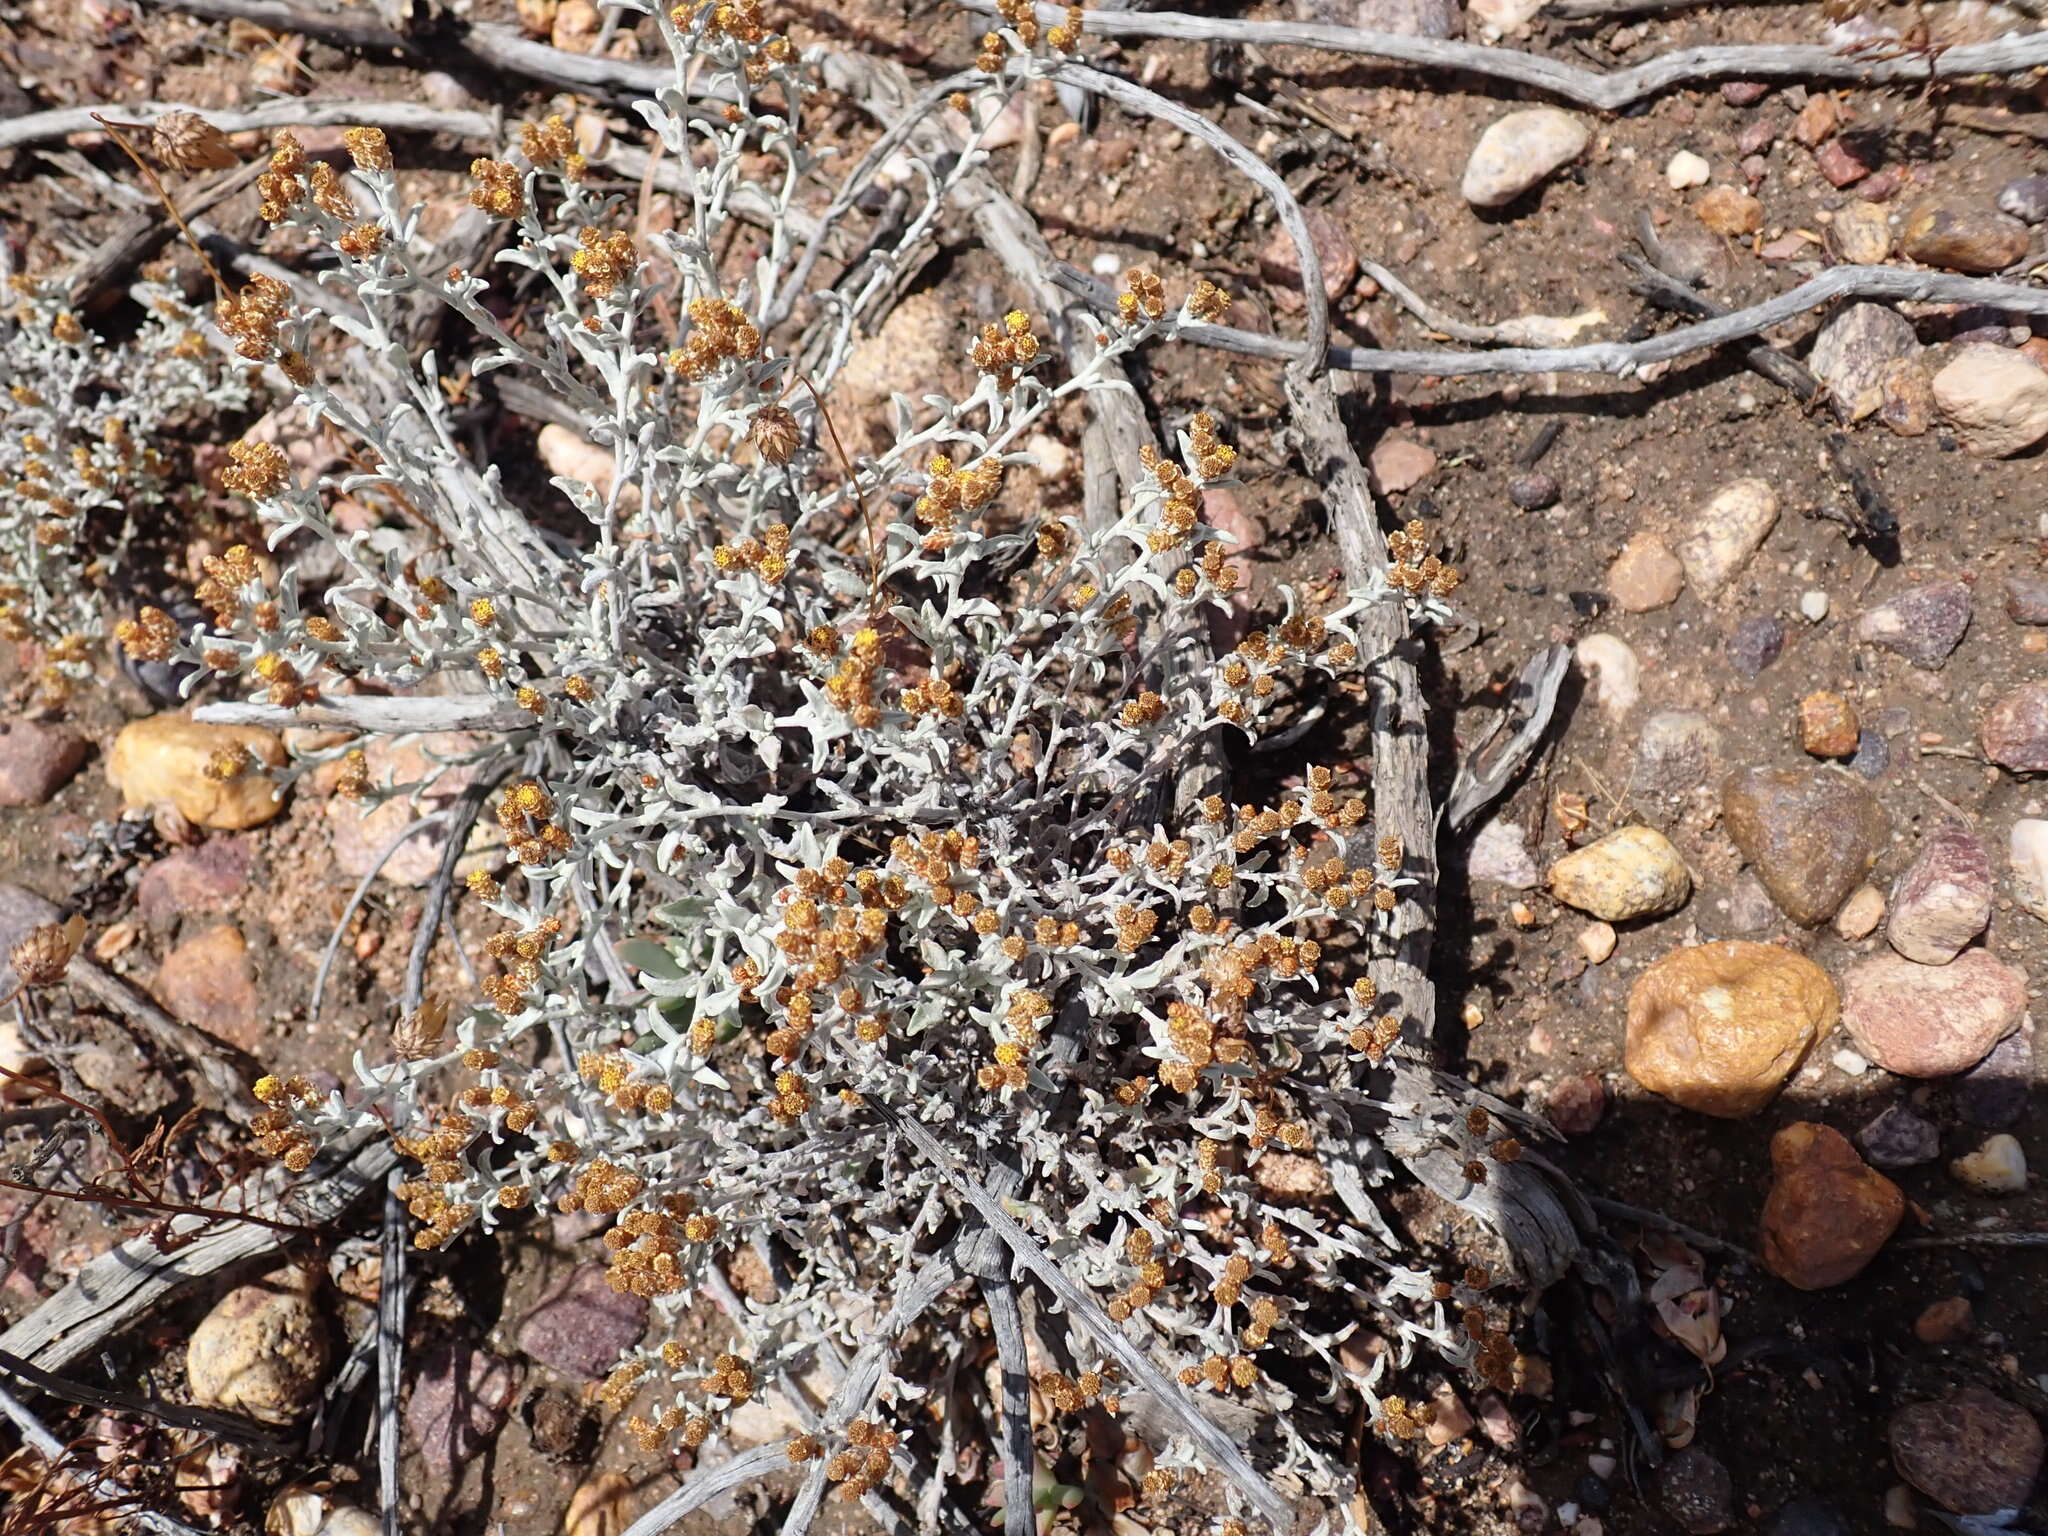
{"x":848,"y":800}
{"x":82,"y":456}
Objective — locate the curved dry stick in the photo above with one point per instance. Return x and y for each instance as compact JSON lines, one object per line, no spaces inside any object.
{"x":411,"y":829}
{"x":463,"y":814}
{"x":1589,"y":88}
{"x":708,"y":1484}
{"x":1137,"y":98}
{"x":864,"y":1376}
{"x":1898,"y":284}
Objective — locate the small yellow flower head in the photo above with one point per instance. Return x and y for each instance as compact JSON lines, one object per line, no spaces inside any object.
{"x":603,"y":261}
{"x":367,"y":148}
{"x":483,"y":611}
{"x":1208,"y":303}
{"x":547,"y":143}
{"x":258,"y":469}
{"x":499,"y":190}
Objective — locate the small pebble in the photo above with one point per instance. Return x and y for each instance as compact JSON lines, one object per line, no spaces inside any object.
{"x":1993,"y":1094}
{"x":1596,"y":942}
{"x":1861,"y":913}
{"x":2015,"y":729}
{"x":1861,"y":234}
{"x":1847,"y":160}
{"x":1576,"y":1105}
{"x":1646,"y":575}
{"x":1899,"y":1138}
{"x":1697,"y":1493}
{"x":1727,"y":532}
{"x":2027,"y":856}
{"x":1996,"y":400}
{"x":1972,"y":1452}
{"x":1534,"y":491}
{"x":1630,"y":873}
{"x":1931,"y":1020}
{"x":1900,"y":1513}
{"x":1813,"y":605}
{"x":36,"y":761}
{"x":1729,"y":211}
{"x":1943,"y":899}
{"x":1616,"y":671}
{"x":1828,"y":725}
{"x":1756,"y":643}
{"x":1923,"y":625}
{"x":1963,"y":239}
{"x":1997,"y":1167}
{"x":2025,"y":199}
{"x":2026,"y":599}
{"x":1744,"y":93}
{"x":1687,"y":169}
{"x":1828,"y":1213}
{"x":1947,"y":1321}
{"x":1519,"y":152}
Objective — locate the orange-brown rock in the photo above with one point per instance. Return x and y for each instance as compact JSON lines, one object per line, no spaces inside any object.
{"x":1827,"y":725}
{"x":212,"y":774}
{"x":1719,"y":1027}
{"x":206,"y":981}
{"x":1829,"y":1212}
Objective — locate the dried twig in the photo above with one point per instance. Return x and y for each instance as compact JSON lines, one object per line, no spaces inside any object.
{"x":392,"y":1291}
{"x":1978,"y":1239}
{"x":1137,"y":98}
{"x":855,"y":1390}
{"x":37,"y":1437}
{"x":1897,"y":284}
{"x":205,"y":1421}
{"x":707,"y":1483}
{"x":1590,"y":88}
{"x":392,"y":116}
{"x":222,"y":1081}
{"x":378,"y":716}
{"x":122,"y":1284}
{"x":461,"y":817}
{"x":1676,"y":1228}
{"x":412,"y":829}
{"x":1006,"y":1321}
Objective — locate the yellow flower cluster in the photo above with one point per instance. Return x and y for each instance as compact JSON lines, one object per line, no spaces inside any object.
{"x":1005,"y":350}
{"x":950,"y":493}
{"x":720,"y":333}
{"x":603,"y":261}
{"x":767,"y":556}
{"x":865,"y":1461}
{"x":500,"y":190}
{"x":1416,"y":571}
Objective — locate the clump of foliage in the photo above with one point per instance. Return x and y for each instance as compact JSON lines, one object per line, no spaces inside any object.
{"x":863,"y":906}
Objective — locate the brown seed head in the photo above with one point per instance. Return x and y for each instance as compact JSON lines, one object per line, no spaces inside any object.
{"x":186,"y":142}
{"x":41,"y":958}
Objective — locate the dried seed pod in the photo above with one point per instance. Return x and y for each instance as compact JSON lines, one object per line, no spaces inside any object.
{"x":41,"y":958}
{"x":186,"y":142}
{"x":418,"y":1035}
